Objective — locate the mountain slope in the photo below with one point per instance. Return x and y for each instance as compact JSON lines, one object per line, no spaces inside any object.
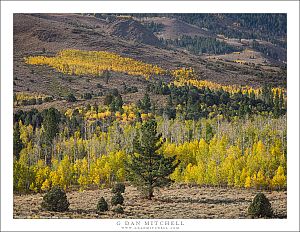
{"x":46,"y":34}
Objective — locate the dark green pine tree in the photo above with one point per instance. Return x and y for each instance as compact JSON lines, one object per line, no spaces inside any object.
{"x":146,"y":103}
{"x":276,"y":108}
{"x":147,"y":167}
{"x":18,"y":145}
{"x":51,"y":126}
{"x":170,"y":111}
{"x":119,"y":103}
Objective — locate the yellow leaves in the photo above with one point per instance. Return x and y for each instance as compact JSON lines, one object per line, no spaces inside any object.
{"x":228,"y":88}
{"x":107,"y":113}
{"x":101,"y":116}
{"x":247,"y":182}
{"x":183,"y":74}
{"x":86,"y":162}
{"x":190,"y":176}
{"x":239,"y":61}
{"x":25,"y":98}
{"x":94,"y":63}
{"x":26,"y":133}
{"x":176,"y":175}
{"x":62,"y":173}
{"x":131,"y":116}
{"x":118,"y":115}
{"x":279,"y":180}
{"x":260,"y":148}
{"x":121,"y":174}
{"x":55,"y":179}
{"x":41,"y":174}
{"x":144,"y":116}
{"x":46,"y":185}
{"x":77,"y":62}
{"x":259,"y":180}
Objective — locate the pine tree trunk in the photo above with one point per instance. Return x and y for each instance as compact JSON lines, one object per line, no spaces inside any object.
{"x":150,"y":192}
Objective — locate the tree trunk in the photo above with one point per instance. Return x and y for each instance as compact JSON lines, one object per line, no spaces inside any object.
{"x":150,"y":192}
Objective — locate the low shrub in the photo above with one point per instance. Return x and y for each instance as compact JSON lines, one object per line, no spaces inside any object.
{"x":260,"y":207}
{"x":86,"y":96}
{"x":102,"y":205}
{"x":71,"y":98}
{"x":118,"y":209}
{"x":55,"y":200}
{"x":117,"y":199}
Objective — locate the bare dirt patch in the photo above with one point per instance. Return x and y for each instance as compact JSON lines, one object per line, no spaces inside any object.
{"x":172,"y":202}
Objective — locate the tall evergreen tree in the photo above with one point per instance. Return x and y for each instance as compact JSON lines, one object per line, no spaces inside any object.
{"x":51,"y":126}
{"x":148,"y":168}
{"x":146,"y":103}
{"x":276,"y":109}
{"x":18,"y":145}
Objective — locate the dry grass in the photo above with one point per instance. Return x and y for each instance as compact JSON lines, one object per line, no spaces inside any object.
{"x":173,"y":202}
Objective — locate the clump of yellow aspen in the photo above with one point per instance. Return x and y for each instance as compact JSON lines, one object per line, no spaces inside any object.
{"x":78,"y":62}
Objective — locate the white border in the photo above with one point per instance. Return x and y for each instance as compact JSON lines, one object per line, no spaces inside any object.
{"x":8,"y":8}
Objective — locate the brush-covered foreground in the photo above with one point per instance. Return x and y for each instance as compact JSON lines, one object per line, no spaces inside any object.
{"x":176,"y":201}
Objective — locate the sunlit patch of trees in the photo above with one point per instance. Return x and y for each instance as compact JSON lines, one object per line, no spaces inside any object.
{"x":228,"y":88}
{"x":220,"y":164}
{"x":78,"y":148}
{"x":76,"y":62}
{"x":26,"y":98}
{"x":218,"y":135}
{"x":99,"y":63}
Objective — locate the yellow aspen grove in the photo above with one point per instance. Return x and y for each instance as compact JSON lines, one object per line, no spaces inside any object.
{"x":190,"y":176}
{"x":177,"y":175}
{"x":41,"y":174}
{"x":243,"y":177}
{"x":82,"y":173}
{"x":46,"y":185}
{"x":95,"y":63}
{"x":182,"y":80}
{"x":260,"y":180}
{"x":234,"y":154}
{"x":76,"y":62}
{"x":279,"y":180}
{"x":248,"y":182}
{"x":200,"y":174}
{"x":29,"y":98}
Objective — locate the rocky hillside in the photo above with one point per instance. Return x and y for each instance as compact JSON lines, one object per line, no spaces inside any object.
{"x":46,"y":34}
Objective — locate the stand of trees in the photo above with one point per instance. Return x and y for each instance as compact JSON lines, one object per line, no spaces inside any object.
{"x":90,"y":146}
{"x":199,"y":45}
{"x":194,"y":103}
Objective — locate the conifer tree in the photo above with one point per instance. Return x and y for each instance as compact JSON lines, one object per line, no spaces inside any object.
{"x":51,"y":127}
{"x":148,"y":168}
{"x":146,"y":103}
{"x":18,"y":145}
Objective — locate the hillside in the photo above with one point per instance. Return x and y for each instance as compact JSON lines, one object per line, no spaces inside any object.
{"x":47,"y":34}
{"x":173,"y":28}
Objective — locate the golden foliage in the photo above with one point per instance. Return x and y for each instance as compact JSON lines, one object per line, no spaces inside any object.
{"x":76,"y":62}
